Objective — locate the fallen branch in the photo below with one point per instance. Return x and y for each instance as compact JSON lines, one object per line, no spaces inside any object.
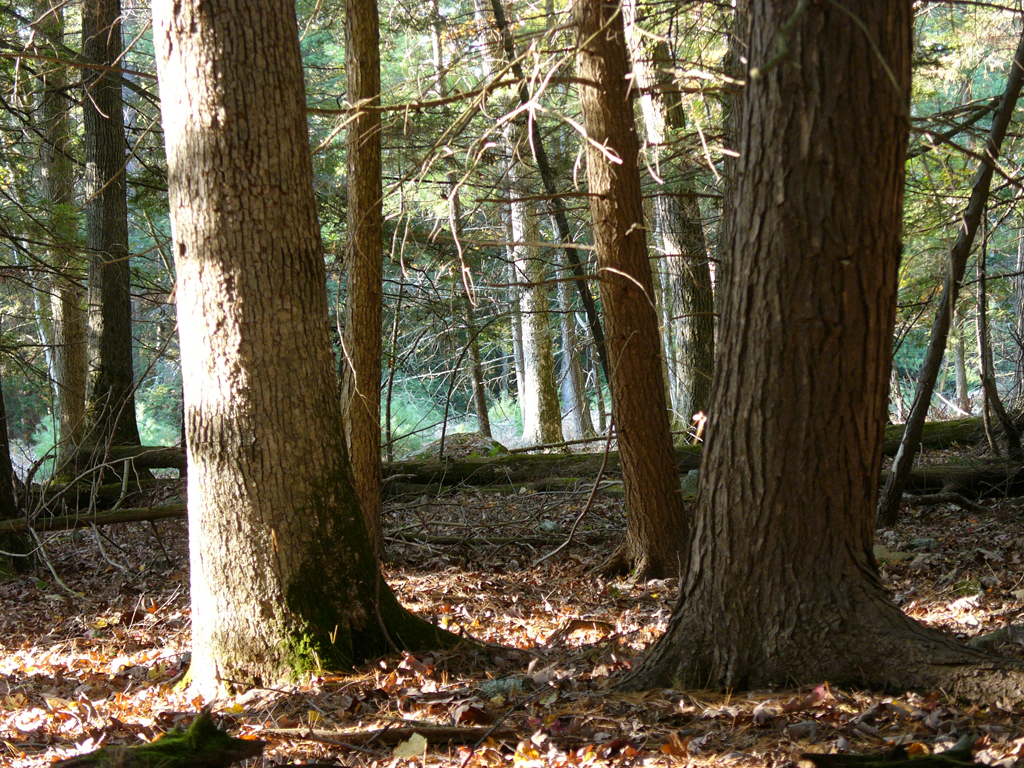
{"x":71,"y":522}
{"x":434,"y":734}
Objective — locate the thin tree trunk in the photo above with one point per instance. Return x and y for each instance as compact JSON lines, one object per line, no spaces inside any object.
{"x":574,"y":390}
{"x":1017,"y":399}
{"x":554,"y":198}
{"x":963,"y":396}
{"x":361,"y":363}
{"x":889,"y":505}
{"x":991,"y":401}
{"x":657,"y":528}
{"x":542,"y":418}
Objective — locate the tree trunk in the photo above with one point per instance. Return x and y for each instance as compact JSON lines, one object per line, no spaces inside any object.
{"x":13,"y":544}
{"x":67,"y":302}
{"x":657,"y":527}
{"x":677,"y":223}
{"x":963,"y":396}
{"x":538,"y":399}
{"x":111,"y":395}
{"x":574,"y":389}
{"x":1017,"y":399}
{"x":782,"y":588}
{"x":283,"y":574}
{"x":361,"y":364}
{"x":889,"y":505}
{"x":554,"y":199}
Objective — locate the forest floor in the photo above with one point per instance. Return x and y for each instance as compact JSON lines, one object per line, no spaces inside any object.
{"x":90,"y":651}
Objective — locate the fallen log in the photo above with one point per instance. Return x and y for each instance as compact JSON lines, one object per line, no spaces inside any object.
{"x":71,"y":522}
{"x":974,"y":481}
{"x":141,"y":456}
{"x":517,"y":469}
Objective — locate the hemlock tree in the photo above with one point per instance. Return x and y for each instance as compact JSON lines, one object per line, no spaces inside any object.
{"x":361,"y":362}
{"x":657,"y":526}
{"x":284,"y":576}
{"x":111,"y":390}
{"x":67,"y":302}
{"x":782,"y":587}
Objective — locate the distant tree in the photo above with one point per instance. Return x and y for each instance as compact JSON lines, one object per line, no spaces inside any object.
{"x":66,"y":299}
{"x":284,"y":577}
{"x":538,"y":398}
{"x":657,"y":526}
{"x":364,"y":260}
{"x":782,"y":587}
{"x":111,"y":390}
{"x":688,"y":294}
{"x":578,"y":423}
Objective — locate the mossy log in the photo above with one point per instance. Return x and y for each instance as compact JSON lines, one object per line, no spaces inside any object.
{"x":203,"y":745}
{"x":974,"y":481}
{"x":518,"y":469}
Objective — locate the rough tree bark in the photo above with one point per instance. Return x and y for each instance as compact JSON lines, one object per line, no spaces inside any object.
{"x":889,"y":505}
{"x":657,"y":526}
{"x":364,"y":262}
{"x":67,"y":300}
{"x":782,"y":587}
{"x":111,"y":395}
{"x":283,"y":573}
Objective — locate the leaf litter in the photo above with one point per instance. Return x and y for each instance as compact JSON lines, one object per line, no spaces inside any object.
{"x":93,"y":660}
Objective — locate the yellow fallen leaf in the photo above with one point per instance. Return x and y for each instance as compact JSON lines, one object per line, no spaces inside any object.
{"x":414,"y":746}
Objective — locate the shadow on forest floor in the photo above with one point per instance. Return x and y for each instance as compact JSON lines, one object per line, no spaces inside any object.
{"x":97,"y":667}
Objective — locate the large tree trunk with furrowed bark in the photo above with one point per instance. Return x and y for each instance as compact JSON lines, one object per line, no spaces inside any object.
{"x":284,"y":577}
{"x":782,"y":587}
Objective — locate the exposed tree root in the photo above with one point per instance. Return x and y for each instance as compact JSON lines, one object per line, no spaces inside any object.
{"x":873,"y":645}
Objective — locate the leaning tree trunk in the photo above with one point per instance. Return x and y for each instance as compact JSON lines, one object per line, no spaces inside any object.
{"x":782,"y":587}
{"x":657,"y":526}
{"x":361,"y":363}
{"x":111,"y":396}
{"x":283,"y":573}
{"x":889,"y":505}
